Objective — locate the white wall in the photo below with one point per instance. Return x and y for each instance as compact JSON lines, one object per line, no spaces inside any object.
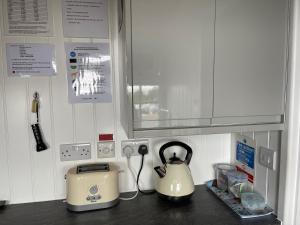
{"x":289,"y":200}
{"x":27,"y":176}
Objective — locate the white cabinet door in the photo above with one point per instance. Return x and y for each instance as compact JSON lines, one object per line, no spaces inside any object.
{"x":172,"y":62}
{"x":249,"y":76}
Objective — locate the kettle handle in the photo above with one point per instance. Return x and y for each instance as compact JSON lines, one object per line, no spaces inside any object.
{"x":188,"y":149}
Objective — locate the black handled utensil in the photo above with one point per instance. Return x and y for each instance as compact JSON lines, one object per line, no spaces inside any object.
{"x":40,"y":143}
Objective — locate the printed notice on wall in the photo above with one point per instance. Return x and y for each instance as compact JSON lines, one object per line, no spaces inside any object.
{"x":89,"y":73}
{"x":85,"y":18}
{"x":28,"y":17}
{"x":30,"y":59}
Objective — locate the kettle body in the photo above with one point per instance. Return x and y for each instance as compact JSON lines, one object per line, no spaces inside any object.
{"x":175,"y":180}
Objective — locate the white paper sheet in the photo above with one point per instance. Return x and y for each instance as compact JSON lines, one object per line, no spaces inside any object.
{"x":89,"y":72}
{"x":85,"y":18}
{"x":28,"y":17}
{"x":30,"y":59}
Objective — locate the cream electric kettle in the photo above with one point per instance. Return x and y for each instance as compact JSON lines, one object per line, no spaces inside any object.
{"x":175,"y":180}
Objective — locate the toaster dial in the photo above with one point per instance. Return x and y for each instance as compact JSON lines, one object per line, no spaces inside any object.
{"x":94,"y":189}
{"x":93,"y":198}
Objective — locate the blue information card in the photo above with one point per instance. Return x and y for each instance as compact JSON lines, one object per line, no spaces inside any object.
{"x":245,"y":154}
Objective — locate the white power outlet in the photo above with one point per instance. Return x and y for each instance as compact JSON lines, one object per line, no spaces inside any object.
{"x":72,"y":152}
{"x":267,"y":158}
{"x":132,"y":146}
{"x":106,"y":149}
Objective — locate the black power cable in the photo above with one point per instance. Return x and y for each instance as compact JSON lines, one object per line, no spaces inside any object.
{"x":143,"y":150}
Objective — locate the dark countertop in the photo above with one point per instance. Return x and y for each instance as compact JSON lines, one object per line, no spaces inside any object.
{"x":203,"y":209}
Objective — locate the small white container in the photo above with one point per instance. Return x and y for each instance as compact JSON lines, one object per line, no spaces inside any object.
{"x":222,"y":170}
{"x":237,"y":182}
{"x":253,"y":201}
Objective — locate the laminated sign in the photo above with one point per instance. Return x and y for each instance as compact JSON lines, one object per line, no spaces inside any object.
{"x":82,"y":18}
{"x":30,"y":59}
{"x":89,"y":73}
{"x":28,"y":17}
{"x":245,"y":156}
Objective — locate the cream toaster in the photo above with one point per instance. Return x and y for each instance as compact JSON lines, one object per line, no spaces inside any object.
{"x":92,"y":186}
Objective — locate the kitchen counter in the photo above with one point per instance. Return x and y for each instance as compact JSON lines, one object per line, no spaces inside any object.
{"x":203,"y":209}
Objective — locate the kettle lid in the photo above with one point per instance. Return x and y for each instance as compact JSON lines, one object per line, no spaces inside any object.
{"x":175,"y":160}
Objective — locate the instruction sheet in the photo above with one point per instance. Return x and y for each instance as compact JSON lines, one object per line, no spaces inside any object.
{"x":30,"y":59}
{"x":28,"y":17}
{"x":89,"y":72}
{"x":85,"y":18}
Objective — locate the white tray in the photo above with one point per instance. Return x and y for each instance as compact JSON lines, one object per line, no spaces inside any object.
{"x":235,"y":203}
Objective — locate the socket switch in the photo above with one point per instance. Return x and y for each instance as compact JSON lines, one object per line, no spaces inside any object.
{"x":267,"y":158}
{"x":106,"y":149}
{"x":132,"y":146}
{"x":72,"y":152}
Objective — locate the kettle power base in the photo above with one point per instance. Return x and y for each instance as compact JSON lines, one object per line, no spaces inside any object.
{"x":235,"y":204}
{"x":175,"y":199}
{"x":2,"y":203}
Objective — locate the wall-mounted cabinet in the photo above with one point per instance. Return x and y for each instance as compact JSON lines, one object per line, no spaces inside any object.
{"x":249,"y":74}
{"x":172,"y":62}
{"x":193,"y":66}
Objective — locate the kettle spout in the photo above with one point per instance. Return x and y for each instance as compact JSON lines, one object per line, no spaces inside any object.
{"x":161,"y":172}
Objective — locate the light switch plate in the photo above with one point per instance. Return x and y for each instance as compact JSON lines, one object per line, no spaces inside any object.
{"x":106,"y":149}
{"x":267,"y":158}
{"x":73,"y":152}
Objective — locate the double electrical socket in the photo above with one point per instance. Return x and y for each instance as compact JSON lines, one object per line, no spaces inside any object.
{"x":267,"y":158}
{"x":131,"y":147}
{"x":72,"y":152}
{"x":105,"y":149}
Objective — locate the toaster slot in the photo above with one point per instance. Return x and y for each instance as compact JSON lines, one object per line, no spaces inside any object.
{"x":93,"y":167}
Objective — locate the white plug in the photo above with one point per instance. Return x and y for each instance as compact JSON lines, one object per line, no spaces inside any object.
{"x":128,"y":151}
